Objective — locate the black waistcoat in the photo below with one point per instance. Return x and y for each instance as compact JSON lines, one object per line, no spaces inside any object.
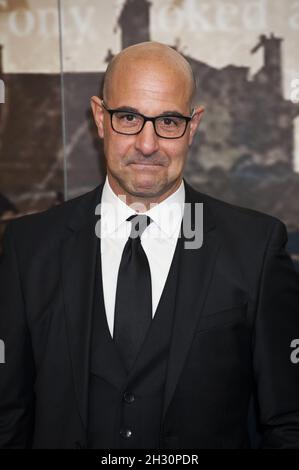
{"x":124,"y":409}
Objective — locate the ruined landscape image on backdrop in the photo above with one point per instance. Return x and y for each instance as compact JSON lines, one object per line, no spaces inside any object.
{"x":244,"y":153}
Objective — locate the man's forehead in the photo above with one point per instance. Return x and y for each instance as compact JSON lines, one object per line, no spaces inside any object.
{"x":155,"y":96}
{"x":150,"y":79}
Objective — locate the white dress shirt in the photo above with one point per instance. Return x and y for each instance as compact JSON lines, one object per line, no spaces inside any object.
{"x":158,"y":240}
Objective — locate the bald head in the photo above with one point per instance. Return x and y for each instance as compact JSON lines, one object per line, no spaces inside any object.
{"x":149,"y":55}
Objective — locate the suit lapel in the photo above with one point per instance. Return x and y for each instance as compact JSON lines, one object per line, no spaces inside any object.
{"x":196,"y":270}
{"x":78,"y":257}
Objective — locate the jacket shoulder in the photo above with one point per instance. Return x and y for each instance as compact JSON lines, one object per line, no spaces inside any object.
{"x":50,"y":223}
{"x":241,"y":222}
{"x":242,"y":213}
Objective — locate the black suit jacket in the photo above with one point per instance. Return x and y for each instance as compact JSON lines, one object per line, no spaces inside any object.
{"x":236,"y":314}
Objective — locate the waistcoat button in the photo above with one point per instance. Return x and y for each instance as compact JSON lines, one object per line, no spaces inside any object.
{"x":128,"y":397}
{"x":126,"y":433}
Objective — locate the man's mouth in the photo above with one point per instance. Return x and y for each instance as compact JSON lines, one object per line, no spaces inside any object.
{"x":145,"y":164}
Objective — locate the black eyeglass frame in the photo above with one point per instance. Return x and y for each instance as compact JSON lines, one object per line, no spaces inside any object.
{"x":147,"y":118}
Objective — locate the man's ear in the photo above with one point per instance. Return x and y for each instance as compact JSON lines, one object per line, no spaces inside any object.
{"x":98,"y":114}
{"x":194,"y":123}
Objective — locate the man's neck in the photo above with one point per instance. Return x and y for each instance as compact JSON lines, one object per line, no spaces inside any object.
{"x":142,"y":203}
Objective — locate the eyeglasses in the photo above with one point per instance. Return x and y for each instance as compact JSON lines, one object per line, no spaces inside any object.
{"x":130,"y":123}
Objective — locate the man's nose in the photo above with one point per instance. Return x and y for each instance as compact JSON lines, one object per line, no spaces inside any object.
{"x":147,"y":140}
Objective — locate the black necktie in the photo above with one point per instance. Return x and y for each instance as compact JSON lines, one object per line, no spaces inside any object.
{"x":133,"y":302}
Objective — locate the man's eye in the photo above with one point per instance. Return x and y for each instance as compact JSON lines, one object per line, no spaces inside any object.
{"x":169,"y":121}
{"x":127,"y":117}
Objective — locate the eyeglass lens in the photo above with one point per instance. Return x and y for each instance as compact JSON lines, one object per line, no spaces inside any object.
{"x":130,"y":123}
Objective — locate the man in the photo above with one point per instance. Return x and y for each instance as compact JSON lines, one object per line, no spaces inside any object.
{"x":119,"y":334}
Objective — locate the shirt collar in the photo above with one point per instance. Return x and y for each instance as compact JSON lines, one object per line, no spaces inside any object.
{"x":167,"y":215}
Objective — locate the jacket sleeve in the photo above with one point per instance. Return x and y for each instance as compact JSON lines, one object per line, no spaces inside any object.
{"x":17,"y":372}
{"x":277,"y":326}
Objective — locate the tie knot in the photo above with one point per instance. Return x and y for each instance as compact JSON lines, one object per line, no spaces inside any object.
{"x":139,"y":224}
